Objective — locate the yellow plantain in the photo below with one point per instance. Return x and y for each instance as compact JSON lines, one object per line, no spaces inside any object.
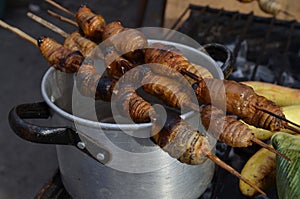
{"x":259,"y":170}
{"x":280,"y":95}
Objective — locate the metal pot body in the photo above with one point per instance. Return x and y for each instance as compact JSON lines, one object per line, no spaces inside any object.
{"x":133,"y":167}
{"x":84,"y":177}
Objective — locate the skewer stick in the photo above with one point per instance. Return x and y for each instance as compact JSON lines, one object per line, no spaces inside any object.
{"x":18,"y":32}
{"x":231,"y":170}
{"x":264,"y":145}
{"x":47,"y":24}
{"x":288,"y":14}
{"x":64,"y":19}
{"x":292,"y":128}
{"x":60,"y":7}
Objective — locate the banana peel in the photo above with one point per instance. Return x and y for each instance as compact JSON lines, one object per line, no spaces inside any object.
{"x":280,"y":95}
{"x":287,"y":172}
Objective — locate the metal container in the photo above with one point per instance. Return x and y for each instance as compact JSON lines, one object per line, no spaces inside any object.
{"x":108,"y":161}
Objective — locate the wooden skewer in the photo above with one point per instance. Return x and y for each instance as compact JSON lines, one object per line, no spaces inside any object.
{"x":292,"y":128}
{"x":64,"y":19}
{"x":47,"y":24}
{"x":231,"y":170}
{"x":264,"y":145}
{"x":18,"y":32}
{"x":288,"y":14}
{"x":60,"y":7}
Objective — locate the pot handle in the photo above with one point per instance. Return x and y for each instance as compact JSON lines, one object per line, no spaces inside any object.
{"x":221,"y":53}
{"x":39,"y":134}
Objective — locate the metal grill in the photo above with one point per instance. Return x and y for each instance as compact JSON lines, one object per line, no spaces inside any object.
{"x":266,"y":49}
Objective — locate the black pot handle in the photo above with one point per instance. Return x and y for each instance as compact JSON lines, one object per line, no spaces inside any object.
{"x":223,"y":54}
{"x":38,"y":134}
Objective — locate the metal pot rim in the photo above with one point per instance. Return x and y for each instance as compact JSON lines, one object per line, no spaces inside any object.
{"x":80,"y":120}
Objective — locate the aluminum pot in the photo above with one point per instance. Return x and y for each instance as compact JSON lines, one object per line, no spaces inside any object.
{"x":106,"y":162}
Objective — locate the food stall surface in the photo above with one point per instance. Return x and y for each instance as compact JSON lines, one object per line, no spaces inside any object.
{"x":25,"y":167}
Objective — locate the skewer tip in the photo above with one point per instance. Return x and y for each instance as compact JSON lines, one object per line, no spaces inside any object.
{"x":18,"y":32}
{"x":292,"y":128}
{"x":47,"y":24}
{"x":287,"y":13}
{"x":58,"y":6}
{"x":40,"y":40}
{"x":62,"y":18}
{"x":83,"y":5}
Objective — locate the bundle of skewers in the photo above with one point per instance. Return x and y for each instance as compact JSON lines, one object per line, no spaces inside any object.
{"x":122,"y":54}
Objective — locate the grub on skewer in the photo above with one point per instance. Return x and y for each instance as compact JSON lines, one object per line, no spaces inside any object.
{"x":241,"y":100}
{"x":74,"y":41}
{"x":272,"y":7}
{"x":172,"y":58}
{"x":230,"y":130}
